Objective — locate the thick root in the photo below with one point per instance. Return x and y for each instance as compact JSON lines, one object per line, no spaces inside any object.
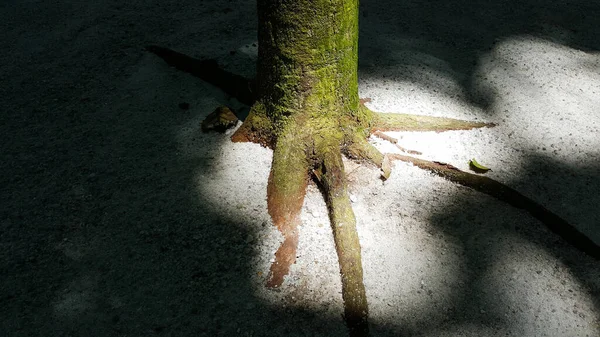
{"x":332,"y":178}
{"x":504,"y":193}
{"x":360,"y":149}
{"x":394,"y":141}
{"x":285,"y":195}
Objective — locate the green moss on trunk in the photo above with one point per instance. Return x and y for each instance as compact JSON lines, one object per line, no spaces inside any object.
{"x":308,"y":59}
{"x":307,"y":109}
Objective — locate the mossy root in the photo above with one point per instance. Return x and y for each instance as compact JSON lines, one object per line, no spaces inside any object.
{"x":257,"y":127}
{"x":332,"y":177}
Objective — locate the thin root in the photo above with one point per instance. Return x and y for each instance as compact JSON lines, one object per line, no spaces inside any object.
{"x":408,"y":122}
{"x":504,"y":193}
{"x":394,"y":141}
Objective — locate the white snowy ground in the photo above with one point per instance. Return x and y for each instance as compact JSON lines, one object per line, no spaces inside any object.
{"x":119,"y":218}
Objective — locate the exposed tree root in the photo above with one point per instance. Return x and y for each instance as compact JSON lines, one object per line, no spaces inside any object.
{"x":296,"y":153}
{"x":408,"y":122}
{"x":361,"y":149}
{"x":504,"y":193}
{"x":257,"y":128}
{"x":285,"y":195}
{"x":332,"y":178}
{"x":394,"y":141}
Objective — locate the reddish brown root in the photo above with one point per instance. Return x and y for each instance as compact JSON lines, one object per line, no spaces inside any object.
{"x":256,"y":128}
{"x":284,"y":258}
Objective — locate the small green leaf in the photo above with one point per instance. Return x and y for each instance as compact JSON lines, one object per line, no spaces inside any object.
{"x":475,"y":166}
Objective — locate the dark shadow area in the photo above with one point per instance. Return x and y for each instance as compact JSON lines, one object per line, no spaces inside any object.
{"x":560,"y":186}
{"x":103,"y":229}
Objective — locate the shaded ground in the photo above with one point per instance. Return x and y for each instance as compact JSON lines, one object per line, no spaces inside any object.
{"x":119,"y":218}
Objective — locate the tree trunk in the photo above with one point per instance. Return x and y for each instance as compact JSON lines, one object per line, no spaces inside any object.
{"x":308,"y":59}
{"x":307,"y":69}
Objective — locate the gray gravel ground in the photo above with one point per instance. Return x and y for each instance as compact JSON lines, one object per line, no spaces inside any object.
{"x":119,"y":218}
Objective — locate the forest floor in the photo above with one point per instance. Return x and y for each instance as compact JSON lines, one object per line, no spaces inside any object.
{"x":118,"y":217}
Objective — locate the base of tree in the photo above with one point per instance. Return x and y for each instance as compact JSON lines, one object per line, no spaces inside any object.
{"x":301,"y":154}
